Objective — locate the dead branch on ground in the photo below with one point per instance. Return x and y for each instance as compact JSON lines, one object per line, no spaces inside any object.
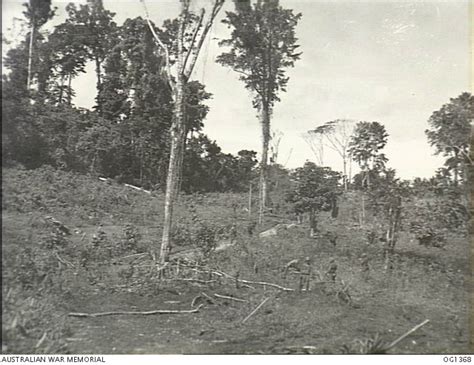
{"x":230,"y":298}
{"x":257,"y":282}
{"x":255,"y":310}
{"x":406,"y":334}
{"x":145,"y":313}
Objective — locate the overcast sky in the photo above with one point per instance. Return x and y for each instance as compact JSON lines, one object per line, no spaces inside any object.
{"x":394,"y":62}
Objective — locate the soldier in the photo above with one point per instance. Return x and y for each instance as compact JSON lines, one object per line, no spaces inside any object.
{"x":307,"y":262}
{"x":251,"y":227}
{"x":332,"y":237}
{"x":364,"y":263}
{"x":307,"y":272}
{"x":332,"y":271}
{"x":233,"y":233}
{"x":60,"y":227}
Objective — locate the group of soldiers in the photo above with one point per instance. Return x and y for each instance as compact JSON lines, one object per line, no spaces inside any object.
{"x":330,"y":274}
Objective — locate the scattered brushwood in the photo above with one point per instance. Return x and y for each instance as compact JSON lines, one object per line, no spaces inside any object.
{"x":377,"y":345}
{"x":183,"y":269}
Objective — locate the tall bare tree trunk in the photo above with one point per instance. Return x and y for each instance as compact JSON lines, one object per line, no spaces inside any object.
{"x":250,"y":199}
{"x":312,"y":223}
{"x":30,"y":58}
{"x":456,"y":168}
{"x":265,"y":120}
{"x":61,"y":90}
{"x":362,"y":212}
{"x":350,"y":169}
{"x":69,"y":97}
{"x":99,"y":85}
{"x":182,"y":149}
{"x":344,"y":161}
{"x":177,"y":135}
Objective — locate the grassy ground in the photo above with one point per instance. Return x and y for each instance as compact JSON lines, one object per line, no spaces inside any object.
{"x":47,"y":275}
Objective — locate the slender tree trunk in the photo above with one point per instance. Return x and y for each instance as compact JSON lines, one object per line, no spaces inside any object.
{"x":250,"y":199}
{"x":344,"y":162}
{"x":61,"y":90}
{"x":350,"y":170}
{"x":456,"y":168}
{"x":265,"y":120}
{"x":181,"y":160}
{"x":99,"y":85}
{"x":312,"y":223}
{"x":362,"y":213}
{"x":69,"y":96}
{"x":30,"y":57}
{"x":177,"y":135}
{"x":141,"y":162}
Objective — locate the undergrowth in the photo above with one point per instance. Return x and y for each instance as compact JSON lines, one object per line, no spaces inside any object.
{"x":106,"y":235}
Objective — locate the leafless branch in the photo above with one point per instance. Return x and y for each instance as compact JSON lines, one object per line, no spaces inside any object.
{"x":146,"y":313}
{"x":406,"y":334}
{"x":160,"y":44}
{"x":196,"y":280}
{"x":193,"y":39}
{"x":258,"y":283}
{"x":215,"y":10}
{"x":230,"y":298}
{"x":255,"y":310}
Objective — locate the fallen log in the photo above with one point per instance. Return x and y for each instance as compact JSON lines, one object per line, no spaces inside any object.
{"x":146,"y":313}
{"x":137,"y":188}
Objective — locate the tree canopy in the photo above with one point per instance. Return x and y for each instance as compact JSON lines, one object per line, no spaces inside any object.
{"x":449,"y":132}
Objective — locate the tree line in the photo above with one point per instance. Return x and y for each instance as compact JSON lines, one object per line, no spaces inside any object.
{"x":126,"y":135}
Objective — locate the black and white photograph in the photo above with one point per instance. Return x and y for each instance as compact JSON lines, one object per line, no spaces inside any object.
{"x":236,"y":177}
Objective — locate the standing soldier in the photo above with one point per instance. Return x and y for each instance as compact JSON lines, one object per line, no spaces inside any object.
{"x":332,"y":271}
{"x":251,"y":227}
{"x":307,"y":272}
{"x":364,"y":264}
{"x":233,"y":233}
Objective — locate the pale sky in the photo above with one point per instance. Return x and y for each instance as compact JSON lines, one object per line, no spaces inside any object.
{"x":394,"y":62}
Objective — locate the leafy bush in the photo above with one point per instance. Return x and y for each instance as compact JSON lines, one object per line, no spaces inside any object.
{"x":198,"y":234}
{"x":32,"y":324}
{"x":431,"y":220}
{"x":131,"y":238}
